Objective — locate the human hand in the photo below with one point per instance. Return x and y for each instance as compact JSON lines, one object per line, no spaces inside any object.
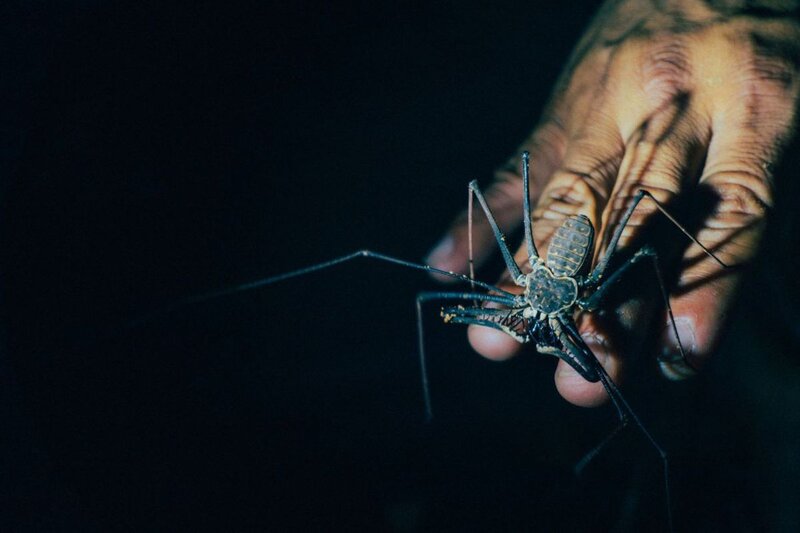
{"x":675,"y":99}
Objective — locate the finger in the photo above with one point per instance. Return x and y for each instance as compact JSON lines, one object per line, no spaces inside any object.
{"x":574,"y":99}
{"x":704,"y":292}
{"x":491,"y":343}
{"x":504,"y":197}
{"x":737,"y":180}
{"x":660,"y":163}
{"x":664,"y":143}
{"x":751,"y":122}
{"x":571,"y":385}
{"x":579,"y":186}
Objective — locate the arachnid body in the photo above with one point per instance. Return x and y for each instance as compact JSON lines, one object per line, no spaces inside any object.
{"x":553,"y":290}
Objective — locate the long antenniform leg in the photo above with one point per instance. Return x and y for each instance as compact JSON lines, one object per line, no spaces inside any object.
{"x":263,"y":282}
{"x":572,"y":340}
{"x":598,"y":272}
{"x":511,"y":265}
{"x":595,"y":279}
{"x":502,"y":297}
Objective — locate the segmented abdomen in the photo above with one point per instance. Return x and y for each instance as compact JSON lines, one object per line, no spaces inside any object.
{"x":571,"y":246}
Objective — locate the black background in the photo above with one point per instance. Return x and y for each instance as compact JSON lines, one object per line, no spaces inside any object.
{"x":153,"y":151}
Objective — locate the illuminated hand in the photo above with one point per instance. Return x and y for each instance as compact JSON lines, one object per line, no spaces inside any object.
{"x":688,"y":100}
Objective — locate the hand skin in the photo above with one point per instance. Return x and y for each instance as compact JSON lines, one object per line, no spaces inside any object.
{"x":673,"y":97}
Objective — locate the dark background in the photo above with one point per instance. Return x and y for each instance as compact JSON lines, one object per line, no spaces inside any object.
{"x":152,"y":151}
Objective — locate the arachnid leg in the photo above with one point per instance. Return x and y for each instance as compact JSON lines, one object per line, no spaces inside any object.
{"x":582,"y":360}
{"x":596,"y":299}
{"x":429,"y":296}
{"x":304,"y":271}
{"x":533,"y":253}
{"x":573,"y":339}
{"x":511,"y":265}
{"x":599,"y":271}
{"x":673,"y":367}
{"x":676,"y":367}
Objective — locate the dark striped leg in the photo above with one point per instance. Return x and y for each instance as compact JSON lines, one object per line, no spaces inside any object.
{"x":596,"y":299}
{"x":597,"y":274}
{"x":428,"y":296}
{"x":624,"y":411}
{"x":575,"y":353}
{"x":511,"y":265}
{"x":526,"y":207}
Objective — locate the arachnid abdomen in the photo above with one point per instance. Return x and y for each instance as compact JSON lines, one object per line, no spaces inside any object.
{"x":571,"y":246}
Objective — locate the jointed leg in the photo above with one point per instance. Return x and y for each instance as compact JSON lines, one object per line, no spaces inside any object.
{"x":526,"y":207}
{"x":575,"y":353}
{"x":511,"y":265}
{"x":577,"y":347}
{"x":426,"y":297}
{"x":532,"y":252}
{"x":596,"y":299}
{"x":624,"y":411}
{"x":355,"y":255}
{"x":598,"y":272}
{"x":257,"y":284}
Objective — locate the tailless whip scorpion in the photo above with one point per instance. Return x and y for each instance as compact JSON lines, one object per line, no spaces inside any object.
{"x":553,"y":290}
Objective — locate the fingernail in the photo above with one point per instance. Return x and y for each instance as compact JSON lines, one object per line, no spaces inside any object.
{"x":671,"y":361}
{"x":440,"y":254}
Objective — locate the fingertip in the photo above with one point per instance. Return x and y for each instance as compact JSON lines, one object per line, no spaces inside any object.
{"x":679,"y":358}
{"x":491,"y":343}
{"x":446,"y":255}
{"x":699,"y":317}
{"x":576,"y":390}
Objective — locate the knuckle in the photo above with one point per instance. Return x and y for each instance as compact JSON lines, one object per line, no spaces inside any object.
{"x":593,"y":158}
{"x":743,"y":196}
{"x":659,"y":63}
{"x":766,"y":104}
{"x":772,"y":60}
{"x":769,"y":75}
{"x":663,"y":169}
{"x":567,"y":194}
{"x":665,"y":69}
{"x":578,"y":188}
{"x":764,"y":79}
{"x":565,"y":197}
{"x":623,"y":200}
{"x":597,"y":140}
{"x":551,"y":133}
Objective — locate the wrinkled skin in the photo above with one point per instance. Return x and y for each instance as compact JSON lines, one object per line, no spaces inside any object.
{"x":675,"y":97}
